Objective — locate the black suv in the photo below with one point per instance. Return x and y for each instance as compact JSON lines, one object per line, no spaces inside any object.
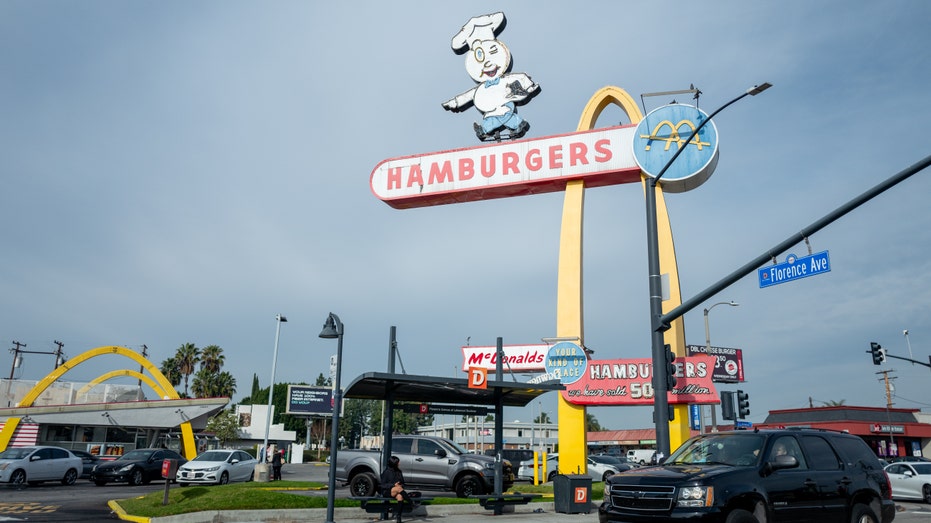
{"x":756,"y":476}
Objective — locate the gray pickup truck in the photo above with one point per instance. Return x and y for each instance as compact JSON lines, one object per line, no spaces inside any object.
{"x":428,"y":463}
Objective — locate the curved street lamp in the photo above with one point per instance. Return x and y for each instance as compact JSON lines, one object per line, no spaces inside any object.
{"x":732,"y":303}
{"x":271,"y":388}
{"x":333,"y":328}
{"x":657,"y":326}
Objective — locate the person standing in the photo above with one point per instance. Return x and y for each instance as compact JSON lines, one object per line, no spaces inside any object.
{"x":276,"y":465}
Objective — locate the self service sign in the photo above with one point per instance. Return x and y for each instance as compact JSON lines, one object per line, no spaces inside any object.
{"x":794,"y":268}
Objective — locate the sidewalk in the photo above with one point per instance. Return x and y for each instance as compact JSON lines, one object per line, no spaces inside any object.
{"x":531,"y":512}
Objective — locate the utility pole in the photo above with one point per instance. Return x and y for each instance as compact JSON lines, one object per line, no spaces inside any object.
{"x":58,"y":358}
{"x":16,"y":351}
{"x":141,"y":367}
{"x":888,"y":385}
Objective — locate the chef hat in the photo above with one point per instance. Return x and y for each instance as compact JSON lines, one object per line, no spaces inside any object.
{"x":480,"y":28}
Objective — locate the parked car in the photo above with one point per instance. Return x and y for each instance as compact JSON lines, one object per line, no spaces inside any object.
{"x":910,"y":480}
{"x":758,"y":475}
{"x":217,"y":467}
{"x":136,"y":467}
{"x":35,"y":464}
{"x":900,"y":459}
{"x":618,"y":462}
{"x":597,"y":470}
{"x":641,"y":456}
{"x":88,"y":462}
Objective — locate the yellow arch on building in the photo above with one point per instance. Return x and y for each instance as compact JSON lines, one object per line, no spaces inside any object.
{"x":573,"y":447}
{"x":164,"y":389}
{"x":122,"y":372}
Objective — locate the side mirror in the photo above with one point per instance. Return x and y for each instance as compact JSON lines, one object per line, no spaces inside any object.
{"x":781,"y":462}
{"x":440,"y":453}
{"x":908,"y":472}
{"x":234,"y":461}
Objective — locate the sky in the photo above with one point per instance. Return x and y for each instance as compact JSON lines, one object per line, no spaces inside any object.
{"x":181,"y":172}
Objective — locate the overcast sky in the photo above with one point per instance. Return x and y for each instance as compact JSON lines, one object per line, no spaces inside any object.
{"x":178,"y":172}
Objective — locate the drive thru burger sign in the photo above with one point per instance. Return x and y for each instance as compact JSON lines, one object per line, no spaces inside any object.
{"x":520,"y":167}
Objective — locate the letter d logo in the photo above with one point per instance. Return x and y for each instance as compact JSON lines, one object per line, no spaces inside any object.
{"x":478,"y":378}
{"x":581,"y":494}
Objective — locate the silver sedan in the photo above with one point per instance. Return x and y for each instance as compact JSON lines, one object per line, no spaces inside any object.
{"x":217,"y":467}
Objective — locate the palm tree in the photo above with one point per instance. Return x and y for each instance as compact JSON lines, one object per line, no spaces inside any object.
{"x":170,"y":370}
{"x":187,"y":356}
{"x":224,"y":384}
{"x":211,"y":358}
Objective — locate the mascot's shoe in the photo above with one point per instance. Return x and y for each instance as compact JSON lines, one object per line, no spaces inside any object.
{"x":521,"y":130}
{"x":479,"y":132}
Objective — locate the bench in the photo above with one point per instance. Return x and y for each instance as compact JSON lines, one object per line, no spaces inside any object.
{"x":385,"y":505}
{"x":497,"y":502}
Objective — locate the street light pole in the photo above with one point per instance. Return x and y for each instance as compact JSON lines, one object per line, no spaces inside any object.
{"x":271,"y":387}
{"x":660,"y":400}
{"x":333,"y":328}
{"x":732,"y":303}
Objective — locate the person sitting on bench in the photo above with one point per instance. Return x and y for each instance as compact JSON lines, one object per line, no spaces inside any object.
{"x":392,"y":480}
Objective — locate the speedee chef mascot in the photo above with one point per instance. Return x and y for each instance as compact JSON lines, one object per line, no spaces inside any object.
{"x":488,"y":62}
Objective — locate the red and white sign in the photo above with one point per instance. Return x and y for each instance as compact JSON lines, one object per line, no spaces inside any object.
{"x":514,"y":168}
{"x":630,"y":382}
{"x":519,"y":358}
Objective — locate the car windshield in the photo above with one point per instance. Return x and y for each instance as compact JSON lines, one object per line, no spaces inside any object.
{"x":727,"y":449}
{"x":16,"y":453}
{"x":213,"y":455}
{"x":610,"y":460}
{"x":136,"y":455}
{"x":455,"y":445}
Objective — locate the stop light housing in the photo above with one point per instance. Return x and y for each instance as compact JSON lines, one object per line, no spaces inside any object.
{"x":743,"y":404}
{"x":878,"y":353}
{"x":727,"y":405}
{"x":670,"y":367}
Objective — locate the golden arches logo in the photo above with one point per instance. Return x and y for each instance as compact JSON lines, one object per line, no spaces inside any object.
{"x":674,"y":135}
{"x":161,"y":386}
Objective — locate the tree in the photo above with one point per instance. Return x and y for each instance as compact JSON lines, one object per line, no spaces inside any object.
{"x":225,"y":426}
{"x":187,"y":357}
{"x":323,"y":382}
{"x":542,"y":418}
{"x":212,"y":358}
{"x":591,"y":423}
{"x":834,"y":403}
{"x":169,"y":369}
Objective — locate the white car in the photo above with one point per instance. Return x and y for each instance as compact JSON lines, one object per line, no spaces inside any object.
{"x":910,"y":480}
{"x":217,"y":467}
{"x":597,"y":471}
{"x":33,"y":465}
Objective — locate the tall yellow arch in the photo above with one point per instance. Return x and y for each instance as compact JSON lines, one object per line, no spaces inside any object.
{"x":573,"y":448}
{"x":118,"y":373}
{"x":164,"y":390}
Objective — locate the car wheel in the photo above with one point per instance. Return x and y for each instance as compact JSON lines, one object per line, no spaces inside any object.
{"x":552,"y":476}
{"x":363,"y":485}
{"x":862,"y":514}
{"x":135,"y":477}
{"x":251,"y":476}
{"x":224,"y":478}
{"x":18,"y":478}
{"x":70,"y":477}
{"x":468,"y":486}
{"x":100,"y":483}
{"x":926,"y":493}
{"x":741,"y":516}
{"x":607,"y":475}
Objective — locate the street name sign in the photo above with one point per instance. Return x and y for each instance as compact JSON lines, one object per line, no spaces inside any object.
{"x":794,"y":268}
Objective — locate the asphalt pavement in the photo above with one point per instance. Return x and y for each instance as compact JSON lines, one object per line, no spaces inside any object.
{"x":531,"y":512}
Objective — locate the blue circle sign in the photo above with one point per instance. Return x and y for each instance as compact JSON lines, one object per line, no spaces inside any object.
{"x":663,"y":132}
{"x":567,"y":362}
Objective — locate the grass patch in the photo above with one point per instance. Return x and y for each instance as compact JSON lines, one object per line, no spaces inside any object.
{"x":262,"y":496}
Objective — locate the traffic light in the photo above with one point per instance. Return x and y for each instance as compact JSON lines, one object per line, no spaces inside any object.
{"x":878,"y":352}
{"x":743,"y":404}
{"x":670,"y":367}
{"x":727,"y":405}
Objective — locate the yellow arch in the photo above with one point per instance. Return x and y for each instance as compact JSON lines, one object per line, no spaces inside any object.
{"x":166,"y":391}
{"x":122,"y":372}
{"x":573,"y":448}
